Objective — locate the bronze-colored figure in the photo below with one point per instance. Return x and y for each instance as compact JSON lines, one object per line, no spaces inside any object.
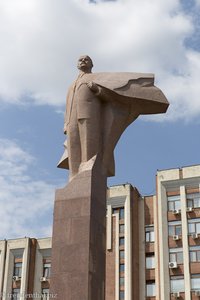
{"x":99,"y":108}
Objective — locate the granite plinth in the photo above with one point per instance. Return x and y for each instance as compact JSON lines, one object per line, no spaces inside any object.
{"x":78,"y":246}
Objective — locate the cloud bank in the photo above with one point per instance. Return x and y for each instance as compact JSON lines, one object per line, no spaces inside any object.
{"x":41,"y":40}
{"x":25,"y":203}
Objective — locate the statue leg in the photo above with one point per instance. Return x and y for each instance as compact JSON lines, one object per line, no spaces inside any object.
{"x":89,"y":114}
{"x":90,"y":136}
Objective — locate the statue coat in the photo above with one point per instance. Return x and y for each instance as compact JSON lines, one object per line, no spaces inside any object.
{"x":122,"y":98}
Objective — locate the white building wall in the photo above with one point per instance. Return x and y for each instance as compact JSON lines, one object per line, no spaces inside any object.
{"x":43,"y":250}
{"x":174,"y":180}
{"x":119,"y":196}
{"x":16,"y":247}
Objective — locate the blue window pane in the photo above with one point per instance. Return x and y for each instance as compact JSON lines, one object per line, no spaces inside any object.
{"x":121,"y":213}
{"x":121,"y":241}
{"x":151,"y":290}
{"x":121,"y":228}
{"x":121,"y":281}
{"x":121,"y":295}
{"x":121,"y":254}
{"x":121,"y":267}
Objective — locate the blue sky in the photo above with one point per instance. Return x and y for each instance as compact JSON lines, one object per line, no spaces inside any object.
{"x":40,"y":44}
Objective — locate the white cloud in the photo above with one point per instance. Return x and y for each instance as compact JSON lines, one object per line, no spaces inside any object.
{"x":25,"y":203}
{"x":41,"y":40}
{"x":183,"y":89}
{"x":197,"y":2}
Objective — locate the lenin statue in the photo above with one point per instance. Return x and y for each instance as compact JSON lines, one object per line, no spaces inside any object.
{"x":99,"y":107}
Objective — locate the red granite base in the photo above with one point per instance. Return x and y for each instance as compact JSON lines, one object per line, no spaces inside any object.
{"x":78,"y":246}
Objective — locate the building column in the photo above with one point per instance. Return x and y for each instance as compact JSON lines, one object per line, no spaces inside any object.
{"x":141,"y":241}
{"x":117,"y":256}
{"x":109,"y":228}
{"x":128,"y":248}
{"x":13,"y":247}
{"x":163,"y":242}
{"x":25,"y":269}
{"x":185,"y":243}
{"x":156,"y":247}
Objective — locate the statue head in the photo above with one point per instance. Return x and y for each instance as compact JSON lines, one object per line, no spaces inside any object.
{"x":85,"y":63}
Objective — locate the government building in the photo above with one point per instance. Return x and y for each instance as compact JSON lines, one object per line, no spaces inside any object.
{"x":152,"y":247}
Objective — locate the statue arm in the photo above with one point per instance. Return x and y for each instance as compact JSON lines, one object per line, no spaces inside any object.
{"x":98,"y":91}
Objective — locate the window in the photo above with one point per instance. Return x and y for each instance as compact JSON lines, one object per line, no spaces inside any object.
{"x":176,"y":255}
{"x":174,"y":228}
{"x":149,"y":232}
{"x":193,"y":200}
{"x":121,"y":267}
{"x":115,"y":210}
{"x":195,"y":254}
{"x":150,"y":289}
{"x":121,"y":254}
{"x":47,"y":270}
{"x":121,"y":228}
{"x":17,"y":269}
{"x":121,"y":241}
{"x":174,"y":203}
{"x":119,"y":210}
{"x":150,"y":262}
{"x":15,"y":294}
{"x":45,"y":294}
{"x":195,"y":281}
{"x":121,"y":281}
{"x":194,"y":226}
{"x":121,"y":295}
{"x":177,"y":284}
{"x":121,"y":213}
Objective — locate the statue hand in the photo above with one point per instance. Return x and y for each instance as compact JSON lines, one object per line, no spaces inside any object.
{"x":93,"y":86}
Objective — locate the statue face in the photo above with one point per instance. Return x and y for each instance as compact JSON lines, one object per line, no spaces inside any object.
{"x":85,"y":63}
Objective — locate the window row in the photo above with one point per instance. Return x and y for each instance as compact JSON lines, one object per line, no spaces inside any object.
{"x":176,"y":254}
{"x":175,"y":228}
{"x":18,"y":269}
{"x":174,"y":203}
{"x":178,"y":285}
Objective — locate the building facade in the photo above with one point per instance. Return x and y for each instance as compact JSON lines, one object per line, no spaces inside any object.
{"x":25,"y":266}
{"x":177,"y":234}
{"x":152,"y":247}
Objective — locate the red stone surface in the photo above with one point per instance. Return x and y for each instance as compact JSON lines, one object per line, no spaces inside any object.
{"x":78,"y":249}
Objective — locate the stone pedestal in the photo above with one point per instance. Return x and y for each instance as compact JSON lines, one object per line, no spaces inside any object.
{"x":78,"y":246}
